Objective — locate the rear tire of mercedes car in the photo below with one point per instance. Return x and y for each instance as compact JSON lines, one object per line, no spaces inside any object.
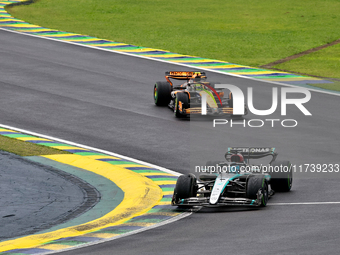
{"x":256,"y":183}
{"x":181,"y":103}
{"x":281,"y":176}
{"x":162,"y":93}
{"x":186,"y":186}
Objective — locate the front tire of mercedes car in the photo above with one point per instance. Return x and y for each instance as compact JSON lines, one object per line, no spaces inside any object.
{"x":281,"y":176}
{"x":162,"y":93}
{"x":256,"y":183}
{"x":186,"y":186}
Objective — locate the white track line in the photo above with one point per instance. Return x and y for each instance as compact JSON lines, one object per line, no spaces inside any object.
{"x":179,"y":64}
{"x":135,"y":160}
{"x":305,"y":203}
{"x":173,"y":219}
{"x":139,"y":161}
{"x":92,"y":148}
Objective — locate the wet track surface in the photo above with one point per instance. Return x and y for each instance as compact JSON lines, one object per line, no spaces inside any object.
{"x":34,"y":197}
{"x":104,"y":100}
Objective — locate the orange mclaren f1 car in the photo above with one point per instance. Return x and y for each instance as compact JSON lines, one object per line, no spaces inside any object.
{"x":194,"y":96}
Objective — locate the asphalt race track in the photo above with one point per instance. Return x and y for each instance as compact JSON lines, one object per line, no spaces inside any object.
{"x":104,"y":100}
{"x":47,"y":196}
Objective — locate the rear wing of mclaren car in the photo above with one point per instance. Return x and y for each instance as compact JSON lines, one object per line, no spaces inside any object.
{"x":184,"y":75}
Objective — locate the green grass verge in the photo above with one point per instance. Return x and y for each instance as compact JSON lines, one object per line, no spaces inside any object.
{"x":325,"y":63}
{"x":330,"y":86}
{"x":22,"y":148}
{"x":245,"y":32}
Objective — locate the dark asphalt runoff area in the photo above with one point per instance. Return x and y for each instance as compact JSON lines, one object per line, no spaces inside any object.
{"x":105,"y":100}
{"x":33,"y":197}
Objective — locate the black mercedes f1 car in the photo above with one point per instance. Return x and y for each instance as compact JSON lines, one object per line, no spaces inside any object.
{"x":235,"y":181}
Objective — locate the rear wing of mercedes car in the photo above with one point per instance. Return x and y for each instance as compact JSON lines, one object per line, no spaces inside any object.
{"x":252,"y":152}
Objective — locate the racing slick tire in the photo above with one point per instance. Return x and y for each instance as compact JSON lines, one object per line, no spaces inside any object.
{"x":231,"y":100}
{"x":281,"y":176}
{"x":186,"y":186}
{"x":181,"y":103}
{"x":254,"y":184}
{"x":162,"y":93}
{"x":231,"y":105}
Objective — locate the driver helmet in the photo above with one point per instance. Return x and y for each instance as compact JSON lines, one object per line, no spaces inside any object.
{"x":237,"y":158}
{"x":196,"y":78}
{"x":190,"y":88}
